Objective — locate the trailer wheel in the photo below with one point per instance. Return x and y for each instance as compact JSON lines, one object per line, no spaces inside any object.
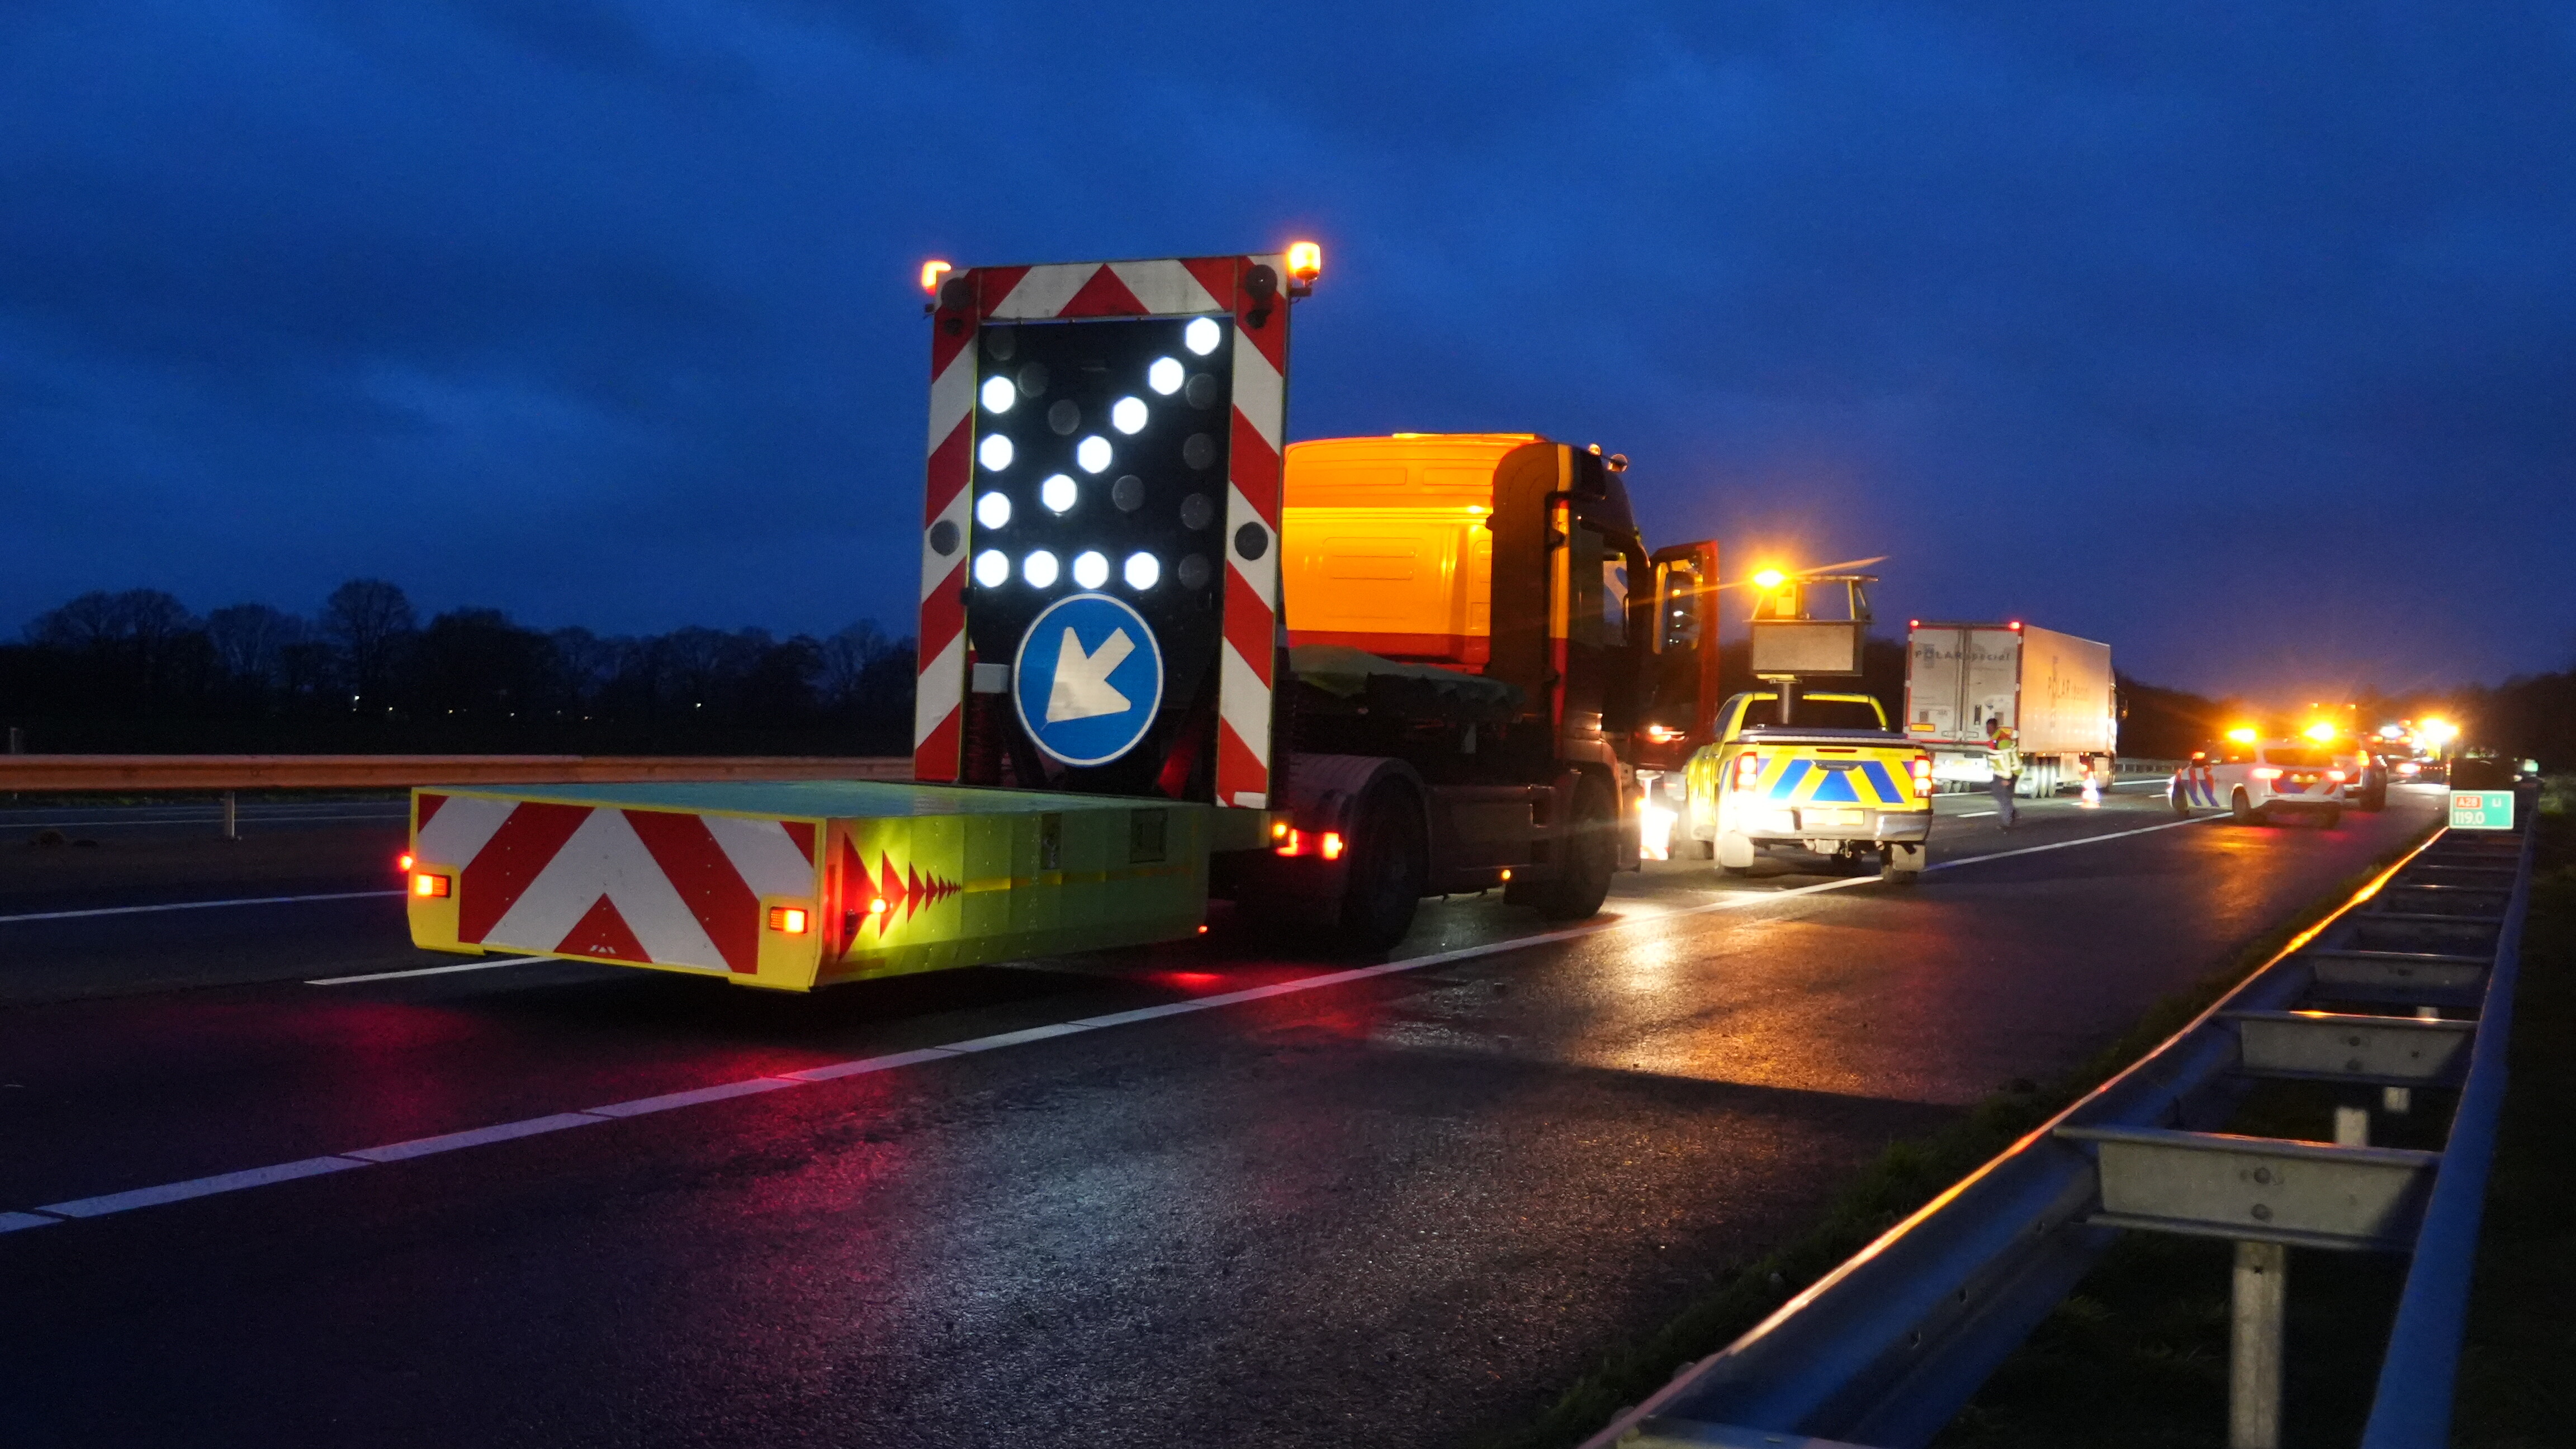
{"x":1387,"y":874}
{"x":1589,"y":854}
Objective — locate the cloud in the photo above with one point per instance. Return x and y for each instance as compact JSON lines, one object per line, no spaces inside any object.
{"x":2191,"y":329}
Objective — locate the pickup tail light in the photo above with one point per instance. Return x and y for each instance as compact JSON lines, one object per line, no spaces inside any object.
{"x":1922,"y":768}
{"x":1748,"y":771}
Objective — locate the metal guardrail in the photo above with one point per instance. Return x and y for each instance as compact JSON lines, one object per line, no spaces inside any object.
{"x":347,"y":772}
{"x":1886,"y":1349}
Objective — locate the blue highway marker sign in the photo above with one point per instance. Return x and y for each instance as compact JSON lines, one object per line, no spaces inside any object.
{"x":1088,"y":679}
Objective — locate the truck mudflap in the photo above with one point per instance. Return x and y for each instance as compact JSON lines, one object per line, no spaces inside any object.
{"x":793,"y":886}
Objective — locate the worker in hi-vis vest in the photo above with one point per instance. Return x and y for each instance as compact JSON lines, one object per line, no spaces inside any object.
{"x":2003,"y":759}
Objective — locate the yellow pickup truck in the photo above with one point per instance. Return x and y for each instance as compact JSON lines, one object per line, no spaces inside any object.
{"x":1834,"y":780}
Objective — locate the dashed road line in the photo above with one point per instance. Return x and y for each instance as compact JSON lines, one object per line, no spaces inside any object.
{"x":101,"y":1206}
{"x":198,"y":906}
{"x":428,"y":970}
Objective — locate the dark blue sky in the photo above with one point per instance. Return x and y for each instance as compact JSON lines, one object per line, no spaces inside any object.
{"x":2243,"y":338}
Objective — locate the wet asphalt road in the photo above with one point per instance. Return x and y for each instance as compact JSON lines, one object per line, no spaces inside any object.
{"x":1403,"y":1209}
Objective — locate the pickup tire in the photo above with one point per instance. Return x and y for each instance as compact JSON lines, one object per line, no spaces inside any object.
{"x":1587,"y":855}
{"x":1900,"y":864}
{"x":1387,"y":874}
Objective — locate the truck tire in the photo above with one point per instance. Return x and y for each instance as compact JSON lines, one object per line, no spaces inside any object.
{"x":2243,"y":809}
{"x":1587,"y":856}
{"x":1383,"y":884}
{"x":1900,"y":864}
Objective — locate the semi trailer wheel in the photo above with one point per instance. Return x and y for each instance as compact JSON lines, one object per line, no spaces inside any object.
{"x":1588,"y":854}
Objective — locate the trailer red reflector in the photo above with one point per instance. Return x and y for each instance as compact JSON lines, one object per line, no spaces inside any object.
{"x":787,"y":920}
{"x":429,"y":885}
{"x":1332,"y":845}
{"x":403,"y":861}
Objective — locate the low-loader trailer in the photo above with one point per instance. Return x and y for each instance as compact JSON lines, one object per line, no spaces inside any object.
{"x":1164,"y":656}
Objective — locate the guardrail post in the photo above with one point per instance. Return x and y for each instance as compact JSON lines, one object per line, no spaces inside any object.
{"x":232,"y":822}
{"x":2352,"y":1127}
{"x":2254,"y":1367}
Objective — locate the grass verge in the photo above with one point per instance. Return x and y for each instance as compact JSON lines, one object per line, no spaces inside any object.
{"x":1905,"y":1176}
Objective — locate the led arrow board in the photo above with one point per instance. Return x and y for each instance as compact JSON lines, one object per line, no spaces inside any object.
{"x":1088,"y":679}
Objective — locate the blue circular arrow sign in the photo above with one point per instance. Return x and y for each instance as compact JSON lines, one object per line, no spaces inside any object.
{"x":1088,"y":679}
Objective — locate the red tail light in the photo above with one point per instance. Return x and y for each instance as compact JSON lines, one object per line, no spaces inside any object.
{"x":1922,"y":767}
{"x":1332,"y":845}
{"x":2266,"y":773}
{"x":402,"y":862}
{"x":1748,"y":771}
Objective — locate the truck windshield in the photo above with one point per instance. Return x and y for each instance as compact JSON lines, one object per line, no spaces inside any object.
{"x":1816,"y":714}
{"x":2302,"y":758}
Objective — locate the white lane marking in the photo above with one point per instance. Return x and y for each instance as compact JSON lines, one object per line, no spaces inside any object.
{"x":668,"y":1100}
{"x":2081,"y":840}
{"x":117,"y":1202}
{"x":205,"y":818}
{"x":451,"y":1141}
{"x":864,"y":1065}
{"x":197,"y":906}
{"x":1975,"y":814}
{"x":428,"y":971}
{"x":833,"y":1071}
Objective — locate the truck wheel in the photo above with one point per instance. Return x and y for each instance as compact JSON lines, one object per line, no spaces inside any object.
{"x":2243,"y":809}
{"x":1900,"y":864}
{"x":1589,"y":854}
{"x":1383,"y":884}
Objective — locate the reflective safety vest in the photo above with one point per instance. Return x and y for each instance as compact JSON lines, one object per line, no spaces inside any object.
{"x":2003,"y":754}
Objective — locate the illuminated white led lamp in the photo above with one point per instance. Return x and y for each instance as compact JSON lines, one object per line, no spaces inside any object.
{"x":992,"y":511}
{"x":1201,"y":336}
{"x":1165,"y":376}
{"x":991,"y":569}
{"x":1092,"y":453}
{"x":1090,"y":569}
{"x":999,"y":394}
{"x":994,"y":452}
{"x":1143,"y":571}
{"x":1039,"y":569}
{"x":1058,"y":492}
{"x":1127,"y":414}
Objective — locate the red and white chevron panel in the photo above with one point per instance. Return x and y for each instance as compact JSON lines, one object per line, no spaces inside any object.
{"x":657,"y":887}
{"x":1186,"y":286}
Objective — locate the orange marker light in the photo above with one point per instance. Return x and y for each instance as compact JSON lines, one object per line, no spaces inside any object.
{"x":1278,"y":829}
{"x":931,"y":275}
{"x":429,"y":886}
{"x":787,"y":920}
{"x":1507,"y":872}
{"x":1202,"y":930}
{"x":1291,"y":842}
{"x":1332,"y":845}
{"x":1305,"y":261}
{"x":403,"y":861}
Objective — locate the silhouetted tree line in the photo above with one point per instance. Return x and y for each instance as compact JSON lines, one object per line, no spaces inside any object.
{"x":137,"y":671}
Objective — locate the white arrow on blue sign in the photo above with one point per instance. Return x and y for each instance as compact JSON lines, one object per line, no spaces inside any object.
{"x":1088,"y":679}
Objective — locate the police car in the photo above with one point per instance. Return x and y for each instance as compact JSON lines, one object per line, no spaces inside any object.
{"x":2265,"y":782}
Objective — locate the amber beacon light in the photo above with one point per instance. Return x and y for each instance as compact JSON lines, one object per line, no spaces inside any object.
{"x":1305,"y":264}
{"x":931,"y":273}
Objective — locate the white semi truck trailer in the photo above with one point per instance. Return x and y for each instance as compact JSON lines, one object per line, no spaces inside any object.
{"x":2054,"y":691}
